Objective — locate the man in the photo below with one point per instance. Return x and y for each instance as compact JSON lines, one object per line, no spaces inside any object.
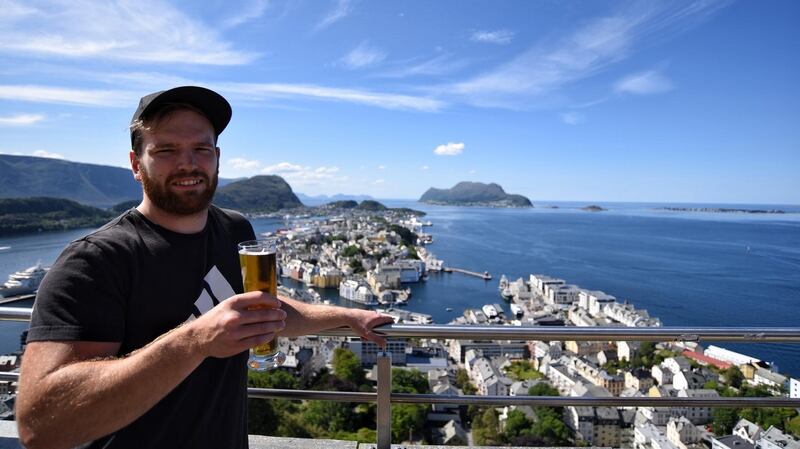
{"x":132,"y":340}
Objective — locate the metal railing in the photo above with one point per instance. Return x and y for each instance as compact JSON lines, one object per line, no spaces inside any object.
{"x":384,"y":397}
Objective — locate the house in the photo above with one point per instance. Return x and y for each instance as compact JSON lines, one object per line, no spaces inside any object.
{"x":683,"y":433}
{"x":773,"y":438}
{"x":748,"y":431}
{"x":770,"y":379}
{"x":730,"y":442}
{"x":661,"y":374}
{"x":626,"y":350}
{"x":452,"y":434}
{"x":640,"y":379}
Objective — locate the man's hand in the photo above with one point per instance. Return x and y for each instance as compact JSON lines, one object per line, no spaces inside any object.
{"x":232,"y":326}
{"x":363,"y":321}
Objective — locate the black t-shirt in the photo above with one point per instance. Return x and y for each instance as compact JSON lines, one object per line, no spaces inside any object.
{"x":132,"y":281}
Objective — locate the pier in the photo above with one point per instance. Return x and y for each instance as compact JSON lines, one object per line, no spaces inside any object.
{"x":11,"y":299}
{"x":485,"y":275}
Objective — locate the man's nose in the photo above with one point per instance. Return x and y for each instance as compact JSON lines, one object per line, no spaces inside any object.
{"x":187,"y":158}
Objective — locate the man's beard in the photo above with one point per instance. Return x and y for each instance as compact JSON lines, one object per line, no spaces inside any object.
{"x":183,"y":203}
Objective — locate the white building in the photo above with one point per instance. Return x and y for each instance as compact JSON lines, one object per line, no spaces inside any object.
{"x":773,"y":438}
{"x":661,"y":374}
{"x":729,"y":356}
{"x":794,"y":388}
{"x":352,"y":290}
{"x":770,"y":379}
{"x":683,"y":433}
{"x":747,"y":431}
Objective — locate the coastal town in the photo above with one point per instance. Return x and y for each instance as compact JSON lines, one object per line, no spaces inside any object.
{"x":371,"y":257}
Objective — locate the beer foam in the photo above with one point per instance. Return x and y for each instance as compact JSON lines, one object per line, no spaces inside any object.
{"x":257,"y":252}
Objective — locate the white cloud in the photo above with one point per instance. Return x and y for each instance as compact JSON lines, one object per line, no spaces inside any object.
{"x":21,"y":119}
{"x":299,"y":175}
{"x":379,"y":99}
{"x":500,"y":37}
{"x":42,"y":153}
{"x":339,"y":12}
{"x":472,"y":172}
{"x":13,"y":10}
{"x":363,"y":56}
{"x":80,"y":97}
{"x":151,"y":31}
{"x":643,"y":83}
{"x":251,"y":11}
{"x":449,"y":149}
{"x":440,"y":65}
{"x":571,"y":118}
{"x":425,"y":167}
{"x":550,"y":65}
{"x":239,"y":163}
{"x":381,"y":167}
{"x":378,"y":182}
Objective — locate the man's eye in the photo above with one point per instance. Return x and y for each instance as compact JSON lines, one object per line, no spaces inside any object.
{"x":165,"y":151}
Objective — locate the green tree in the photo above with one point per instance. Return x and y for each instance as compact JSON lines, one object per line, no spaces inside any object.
{"x":409,"y":381}
{"x":350,"y":251}
{"x":262,"y":414}
{"x":723,"y":420}
{"x":330,"y":416}
{"x":733,"y":376}
{"x":793,"y":426}
{"x":550,"y":427}
{"x":407,"y":419}
{"x":486,"y":429}
{"x":522,"y":370}
{"x":347,"y":366}
{"x":542,"y":389}
{"x":517,"y":424}
{"x":463,"y":383}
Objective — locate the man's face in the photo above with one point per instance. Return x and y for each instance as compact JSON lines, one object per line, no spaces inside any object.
{"x":179,"y":163}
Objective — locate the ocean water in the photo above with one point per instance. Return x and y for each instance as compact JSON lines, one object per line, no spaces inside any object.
{"x":686,"y":268}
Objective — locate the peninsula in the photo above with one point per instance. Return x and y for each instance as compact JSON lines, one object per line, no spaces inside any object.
{"x":474,"y":194}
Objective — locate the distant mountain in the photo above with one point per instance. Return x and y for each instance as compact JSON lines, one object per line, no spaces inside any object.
{"x":346,"y":204}
{"x":474,"y":194}
{"x":19,"y":215}
{"x":257,"y":194}
{"x":370,"y":205}
{"x":318,"y":200}
{"x":96,"y":185}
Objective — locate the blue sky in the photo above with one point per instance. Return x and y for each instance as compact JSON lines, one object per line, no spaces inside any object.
{"x":557,"y":100}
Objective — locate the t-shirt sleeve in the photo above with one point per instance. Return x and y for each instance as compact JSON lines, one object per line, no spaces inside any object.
{"x":80,"y":298}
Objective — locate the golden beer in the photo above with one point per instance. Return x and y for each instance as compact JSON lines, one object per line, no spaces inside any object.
{"x":258,"y":262}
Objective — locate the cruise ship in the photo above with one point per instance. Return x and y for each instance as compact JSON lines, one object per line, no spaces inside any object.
{"x":23,"y":282}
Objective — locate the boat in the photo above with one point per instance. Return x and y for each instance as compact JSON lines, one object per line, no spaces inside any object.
{"x":506,"y":294}
{"x":490,"y":311}
{"x":3,"y":248}
{"x":516,"y":310}
{"x":448,"y":309}
{"x":23,"y":282}
{"x":503,"y":283}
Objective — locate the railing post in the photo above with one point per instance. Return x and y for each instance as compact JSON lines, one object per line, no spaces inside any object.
{"x":384,"y":416}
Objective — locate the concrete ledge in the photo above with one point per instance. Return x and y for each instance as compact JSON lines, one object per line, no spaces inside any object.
{"x":263,"y":442}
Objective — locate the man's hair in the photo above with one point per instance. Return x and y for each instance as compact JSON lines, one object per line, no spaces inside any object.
{"x":152,"y":121}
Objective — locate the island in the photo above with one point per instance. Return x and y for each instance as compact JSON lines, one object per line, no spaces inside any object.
{"x":474,"y":194}
{"x":37,"y":214}
{"x":722,"y":210}
{"x":593,"y":208}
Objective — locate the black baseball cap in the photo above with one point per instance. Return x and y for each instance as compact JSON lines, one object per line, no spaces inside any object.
{"x":213,"y":105}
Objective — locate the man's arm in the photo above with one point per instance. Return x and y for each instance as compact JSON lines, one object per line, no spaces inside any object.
{"x":72,"y":392}
{"x":305,"y":319}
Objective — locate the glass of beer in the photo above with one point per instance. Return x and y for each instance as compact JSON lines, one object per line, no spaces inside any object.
{"x":260,"y":272}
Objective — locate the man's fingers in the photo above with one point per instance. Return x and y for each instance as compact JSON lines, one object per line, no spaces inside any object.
{"x":256,"y":340}
{"x":256,"y":329}
{"x":262,"y":315}
{"x":255,"y":299}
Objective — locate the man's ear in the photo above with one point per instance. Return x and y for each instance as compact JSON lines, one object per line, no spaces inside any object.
{"x":137,"y":174}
